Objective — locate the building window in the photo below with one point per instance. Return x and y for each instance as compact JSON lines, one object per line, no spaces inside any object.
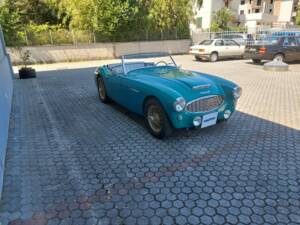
{"x":258,"y":2}
{"x":242,"y":2}
{"x":270,"y":11}
{"x":272,"y":1}
{"x":249,"y":11}
{"x":242,"y":12}
{"x":199,"y":22}
{"x":256,"y":11}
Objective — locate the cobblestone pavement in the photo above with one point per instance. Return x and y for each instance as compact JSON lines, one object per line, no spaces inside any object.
{"x":74,"y":160}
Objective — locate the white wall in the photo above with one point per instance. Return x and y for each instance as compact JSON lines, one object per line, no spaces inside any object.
{"x":71,"y":53}
{"x":6,"y":89}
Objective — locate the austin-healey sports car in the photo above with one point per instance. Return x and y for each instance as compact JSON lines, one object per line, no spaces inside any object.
{"x":168,"y":96}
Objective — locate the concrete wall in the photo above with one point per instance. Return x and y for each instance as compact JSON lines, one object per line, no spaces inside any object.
{"x":70,"y":53}
{"x":6,"y":89}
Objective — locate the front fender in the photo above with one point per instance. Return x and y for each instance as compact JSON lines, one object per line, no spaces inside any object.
{"x":163,"y":93}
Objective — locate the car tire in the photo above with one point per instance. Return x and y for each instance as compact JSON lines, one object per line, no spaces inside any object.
{"x":157,"y":120}
{"x":279,"y":57}
{"x":256,"y":61}
{"x":213,"y":57}
{"x":102,"y":90}
{"x":197,"y":58}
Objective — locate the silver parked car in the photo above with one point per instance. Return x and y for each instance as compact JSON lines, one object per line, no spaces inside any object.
{"x":216,"y":49}
{"x":240,"y":38}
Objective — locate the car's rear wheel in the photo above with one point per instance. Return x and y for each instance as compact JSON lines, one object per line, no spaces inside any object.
{"x":256,"y":61}
{"x":214,"y":57}
{"x":157,"y":119}
{"x":197,"y":58}
{"x":102,"y":90}
{"x":279,"y":57}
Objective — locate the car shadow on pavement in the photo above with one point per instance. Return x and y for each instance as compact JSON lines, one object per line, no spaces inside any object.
{"x":219,"y":60}
{"x":266,"y":61}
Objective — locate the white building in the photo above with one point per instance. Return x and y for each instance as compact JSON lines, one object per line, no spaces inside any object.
{"x":252,"y":14}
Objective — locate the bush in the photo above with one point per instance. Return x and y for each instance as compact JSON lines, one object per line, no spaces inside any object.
{"x":56,"y":35}
{"x":10,"y":23}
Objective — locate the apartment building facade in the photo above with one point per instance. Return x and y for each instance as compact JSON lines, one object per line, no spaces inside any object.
{"x":252,"y":14}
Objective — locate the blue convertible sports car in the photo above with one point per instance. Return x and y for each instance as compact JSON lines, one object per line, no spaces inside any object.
{"x":169,"y":97}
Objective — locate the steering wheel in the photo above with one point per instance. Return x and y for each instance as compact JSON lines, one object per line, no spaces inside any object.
{"x":161,"y":62}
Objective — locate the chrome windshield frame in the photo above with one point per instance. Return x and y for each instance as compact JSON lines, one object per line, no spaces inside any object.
{"x":145,"y":55}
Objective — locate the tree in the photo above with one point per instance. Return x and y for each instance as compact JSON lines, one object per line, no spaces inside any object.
{"x":107,"y":17}
{"x":11,"y":26}
{"x":117,"y":20}
{"x":170,"y":14}
{"x":221,"y":19}
{"x":36,"y":11}
{"x":298,"y":17}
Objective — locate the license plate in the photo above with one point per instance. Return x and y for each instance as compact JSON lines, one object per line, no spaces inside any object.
{"x":209,"y":120}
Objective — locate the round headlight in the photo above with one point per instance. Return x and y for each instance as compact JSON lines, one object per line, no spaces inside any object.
{"x":237,"y":92}
{"x":179,"y":104}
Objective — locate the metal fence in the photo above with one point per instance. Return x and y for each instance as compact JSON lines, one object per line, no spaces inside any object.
{"x":258,"y":34}
{"x":64,"y":36}
{"x":5,"y":102}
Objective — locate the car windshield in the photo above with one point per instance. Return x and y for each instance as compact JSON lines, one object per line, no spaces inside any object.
{"x":206,"y":42}
{"x":146,"y":60}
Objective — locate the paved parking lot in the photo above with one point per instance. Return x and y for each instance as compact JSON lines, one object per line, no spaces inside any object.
{"x":73,"y":160}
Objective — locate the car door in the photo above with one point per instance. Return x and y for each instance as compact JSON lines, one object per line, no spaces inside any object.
{"x":289,"y":47}
{"x":233,"y":48}
{"x":130,"y":94}
{"x":220,"y":48}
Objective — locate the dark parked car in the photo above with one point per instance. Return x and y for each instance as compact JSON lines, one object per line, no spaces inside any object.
{"x":274,"y":48}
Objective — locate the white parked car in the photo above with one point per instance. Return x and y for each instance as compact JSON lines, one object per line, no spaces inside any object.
{"x":241,"y":39}
{"x":216,"y":49}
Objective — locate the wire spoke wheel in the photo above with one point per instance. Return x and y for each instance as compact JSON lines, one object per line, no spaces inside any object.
{"x":101,"y":89}
{"x":154,"y":118}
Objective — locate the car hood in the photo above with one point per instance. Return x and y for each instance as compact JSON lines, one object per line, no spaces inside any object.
{"x":187,"y":83}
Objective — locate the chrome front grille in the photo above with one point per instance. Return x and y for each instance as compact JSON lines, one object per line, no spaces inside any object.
{"x":205,"y":104}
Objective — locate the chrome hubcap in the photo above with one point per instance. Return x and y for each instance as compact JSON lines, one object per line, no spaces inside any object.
{"x":214,"y":57}
{"x":154,"y":119}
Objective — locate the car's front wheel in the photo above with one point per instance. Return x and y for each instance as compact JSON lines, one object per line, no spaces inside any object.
{"x":197,"y":58}
{"x":102,"y":90}
{"x":157,"y":119}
